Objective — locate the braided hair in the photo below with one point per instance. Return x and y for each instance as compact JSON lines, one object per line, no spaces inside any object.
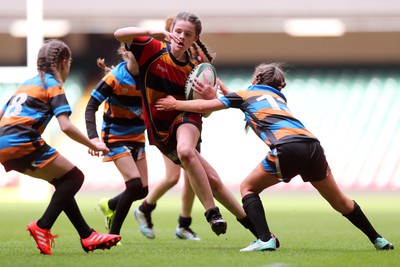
{"x":186,"y":16}
{"x":50,"y":56}
{"x":101,"y":62}
{"x":271,"y":75}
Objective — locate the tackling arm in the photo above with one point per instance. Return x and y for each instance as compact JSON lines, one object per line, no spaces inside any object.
{"x":196,"y":106}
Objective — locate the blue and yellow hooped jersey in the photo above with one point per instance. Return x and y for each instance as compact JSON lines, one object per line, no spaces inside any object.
{"x":267,"y":114}
{"x":27,"y":114}
{"x":123,"y":117}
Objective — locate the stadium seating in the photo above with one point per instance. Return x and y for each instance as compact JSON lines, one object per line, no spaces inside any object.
{"x":353,"y":111}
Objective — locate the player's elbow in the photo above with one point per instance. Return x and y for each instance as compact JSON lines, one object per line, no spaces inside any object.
{"x":201,"y":109}
{"x":124,"y":35}
{"x":120,"y":36}
{"x":205,"y":110}
{"x":65,"y":126}
{"x":117,"y":34}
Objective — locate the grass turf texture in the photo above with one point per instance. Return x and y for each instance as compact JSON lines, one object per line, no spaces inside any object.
{"x":311,"y":234}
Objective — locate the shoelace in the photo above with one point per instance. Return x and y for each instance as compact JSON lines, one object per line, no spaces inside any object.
{"x":216,"y":217}
{"x":190,"y":231}
{"x":51,"y":238}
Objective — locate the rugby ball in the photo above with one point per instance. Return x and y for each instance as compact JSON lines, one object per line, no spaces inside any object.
{"x":205,"y":72}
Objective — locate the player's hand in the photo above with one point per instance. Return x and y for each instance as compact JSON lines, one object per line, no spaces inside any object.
{"x":166,"y":103}
{"x":165,"y":36}
{"x":205,"y":90}
{"x":91,"y":151}
{"x":221,"y":87}
{"x":100,"y":147}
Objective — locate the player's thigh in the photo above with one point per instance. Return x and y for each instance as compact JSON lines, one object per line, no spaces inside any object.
{"x":187,"y":136}
{"x":142,"y":166}
{"x":127,"y":167}
{"x":257,"y":181}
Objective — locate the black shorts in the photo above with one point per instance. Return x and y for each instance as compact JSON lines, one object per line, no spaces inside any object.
{"x":169,"y":144}
{"x":306,"y":159}
{"x":170,"y":151}
{"x":31,"y":161}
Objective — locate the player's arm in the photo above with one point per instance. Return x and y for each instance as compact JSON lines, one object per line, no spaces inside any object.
{"x":75,"y":134}
{"x":196,"y":106}
{"x":90,"y":117}
{"x":1,"y":113}
{"x":127,"y":34}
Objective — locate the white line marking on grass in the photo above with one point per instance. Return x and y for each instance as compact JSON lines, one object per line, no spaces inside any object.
{"x":277,"y":264}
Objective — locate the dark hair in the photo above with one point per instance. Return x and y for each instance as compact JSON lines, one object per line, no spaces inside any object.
{"x":101,"y":62}
{"x":186,"y":16}
{"x":168,"y":23}
{"x":50,"y":56}
{"x":194,"y":49}
{"x":270,"y":74}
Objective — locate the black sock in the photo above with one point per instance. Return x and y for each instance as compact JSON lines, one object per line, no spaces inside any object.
{"x":66,"y":188}
{"x":113,"y":202}
{"x":212,"y":213}
{"x":184,"y":222}
{"x":246,"y":222}
{"x":255,"y":211}
{"x":358,"y":218}
{"x":75,"y":216}
{"x":146,"y":207}
{"x":134,"y":191}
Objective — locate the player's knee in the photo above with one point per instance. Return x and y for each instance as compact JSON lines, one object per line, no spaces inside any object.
{"x":135,"y":189}
{"x":74,"y":178}
{"x":171,"y":182}
{"x":77,"y":176}
{"x":142,"y":192}
{"x":244,"y":188}
{"x":172,"y":178}
{"x":216,"y":186}
{"x":186,"y":154}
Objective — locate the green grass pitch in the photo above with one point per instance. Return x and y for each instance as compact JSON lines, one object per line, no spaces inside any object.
{"x":310,"y":231}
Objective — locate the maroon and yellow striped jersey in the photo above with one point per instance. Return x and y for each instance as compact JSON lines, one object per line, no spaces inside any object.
{"x":161,"y":74}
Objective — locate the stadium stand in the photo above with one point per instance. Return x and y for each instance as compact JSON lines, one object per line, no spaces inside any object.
{"x":353,"y":111}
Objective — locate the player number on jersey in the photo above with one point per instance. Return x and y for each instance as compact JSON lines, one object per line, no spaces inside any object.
{"x":273,"y":102}
{"x":15,"y":106}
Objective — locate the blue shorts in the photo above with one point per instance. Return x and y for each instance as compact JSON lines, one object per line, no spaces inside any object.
{"x":306,"y":159}
{"x":136,"y":152}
